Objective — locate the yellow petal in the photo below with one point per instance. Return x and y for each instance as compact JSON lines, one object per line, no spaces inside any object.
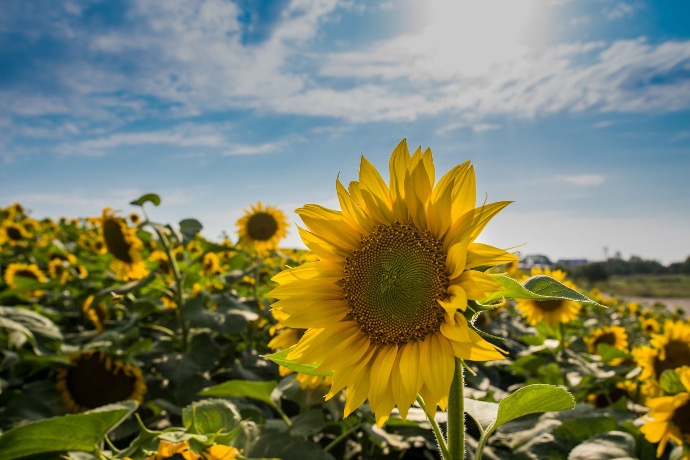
{"x":380,"y":396}
{"x":479,"y":255}
{"x":457,"y":300}
{"x":478,"y":285}
{"x":330,"y":225}
{"x":456,"y":259}
{"x":398,"y":166}
{"x":322,"y":248}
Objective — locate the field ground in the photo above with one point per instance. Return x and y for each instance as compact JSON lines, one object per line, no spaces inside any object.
{"x":666,"y":286}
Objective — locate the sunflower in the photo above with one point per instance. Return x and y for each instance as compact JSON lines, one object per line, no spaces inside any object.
{"x":122,"y":242}
{"x":97,"y":314}
{"x":95,"y":379}
{"x":650,"y":326}
{"x":669,"y":416}
{"x":173,"y":451}
{"x":14,"y":234}
{"x":261,"y":228}
{"x":219,"y":452}
{"x":22,"y":270}
{"x":669,"y":350}
{"x":615,"y":336}
{"x":210,"y":264}
{"x":383,"y":304}
{"x":553,"y":312}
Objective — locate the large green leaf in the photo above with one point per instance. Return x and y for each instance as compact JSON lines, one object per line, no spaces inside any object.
{"x":280,"y":358}
{"x":79,"y":432}
{"x":190,"y":228}
{"x":540,"y":287}
{"x":526,"y":400}
{"x":260,"y":391}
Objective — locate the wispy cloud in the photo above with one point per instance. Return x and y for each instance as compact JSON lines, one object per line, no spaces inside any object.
{"x":582,"y":180}
{"x":621,"y":10}
{"x":475,"y":128}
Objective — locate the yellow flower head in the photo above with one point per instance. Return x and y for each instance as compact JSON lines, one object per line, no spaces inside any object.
{"x":122,"y":242}
{"x":616,"y":336}
{"x":669,"y":350}
{"x":14,"y":234}
{"x":97,"y":314}
{"x":553,"y":312}
{"x":261,"y":228}
{"x":210,"y":264}
{"x":382,"y":305}
{"x":669,"y":416}
{"x":650,"y":326}
{"x":95,"y":379}
{"x":174,"y":451}
{"x":218,"y":452}
{"x":22,"y":270}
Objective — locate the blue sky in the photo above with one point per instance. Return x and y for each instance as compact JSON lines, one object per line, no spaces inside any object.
{"x":579,"y":111}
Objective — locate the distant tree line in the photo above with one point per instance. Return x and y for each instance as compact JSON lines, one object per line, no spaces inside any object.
{"x":601,"y":271}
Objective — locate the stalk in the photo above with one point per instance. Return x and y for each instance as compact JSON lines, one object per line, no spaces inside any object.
{"x":456,"y":414}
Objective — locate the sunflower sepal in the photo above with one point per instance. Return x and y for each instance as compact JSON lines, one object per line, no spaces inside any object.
{"x":280,"y":358}
{"x":670,"y":382}
{"x":540,"y":287}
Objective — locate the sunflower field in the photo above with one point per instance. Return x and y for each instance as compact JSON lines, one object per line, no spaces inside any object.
{"x":396,"y":335}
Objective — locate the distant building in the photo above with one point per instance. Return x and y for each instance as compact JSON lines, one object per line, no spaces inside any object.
{"x":535,"y":261}
{"x":572,"y":262}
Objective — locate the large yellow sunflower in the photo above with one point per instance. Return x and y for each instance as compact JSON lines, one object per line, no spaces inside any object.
{"x":261,"y":228}
{"x":122,"y":242}
{"x":669,"y":417}
{"x":669,"y":350}
{"x":96,"y":379}
{"x":382,"y":307}
{"x":615,"y":336}
{"x":14,"y":234}
{"x":553,"y":312}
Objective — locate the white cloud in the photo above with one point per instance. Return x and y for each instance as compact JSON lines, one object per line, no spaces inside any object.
{"x":582,"y":180}
{"x":475,"y":128}
{"x":603,"y":124}
{"x":246,"y":149}
{"x":621,"y":10}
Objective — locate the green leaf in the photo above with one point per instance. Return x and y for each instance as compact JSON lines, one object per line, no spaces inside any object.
{"x":280,"y":358}
{"x":533,"y":399}
{"x":308,"y":423}
{"x":210,"y":416}
{"x":273,"y":444}
{"x":223,"y":320}
{"x":581,"y":429}
{"x":608,"y":353}
{"x":260,"y":391}
{"x":670,"y":382}
{"x":148,"y":197}
{"x":540,"y":287}
{"x":190,"y":228}
{"x":483,"y":412}
{"x":80,"y":432}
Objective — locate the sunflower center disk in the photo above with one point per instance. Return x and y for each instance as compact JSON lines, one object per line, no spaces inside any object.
{"x":116,"y":241}
{"x":393,"y":282}
{"x":677,"y":355}
{"x":609,"y":339}
{"x":14,"y":233}
{"x":261,"y":226}
{"x":681,"y":418}
{"x":549,"y":305}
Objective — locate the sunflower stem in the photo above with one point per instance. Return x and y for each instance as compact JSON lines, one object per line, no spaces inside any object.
{"x":440,"y":439}
{"x":456,"y":414}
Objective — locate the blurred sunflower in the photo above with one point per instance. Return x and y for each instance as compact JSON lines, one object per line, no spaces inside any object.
{"x":21,"y":270}
{"x":97,"y":314}
{"x":219,"y":452}
{"x":134,"y":218}
{"x":615,"y":336}
{"x":59,"y":270}
{"x":668,"y":350}
{"x":383,"y":305}
{"x":122,"y":242}
{"x":552,"y":312}
{"x":669,"y":417}
{"x":173,"y":451}
{"x":261,"y":228}
{"x":210,"y":264}
{"x":650,"y":326}
{"x":95,"y":379}
{"x":14,"y":234}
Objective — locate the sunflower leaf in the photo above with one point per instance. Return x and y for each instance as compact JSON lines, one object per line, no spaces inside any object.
{"x":260,"y":391}
{"x":280,"y":358}
{"x":540,"y":287}
{"x":670,"y":382}
{"x":190,"y":228}
{"x":532,"y":399}
{"x":74,"y":432}
{"x":210,"y":416}
{"x":148,"y":197}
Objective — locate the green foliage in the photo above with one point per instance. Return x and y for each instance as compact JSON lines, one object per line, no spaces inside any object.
{"x":82,"y":432}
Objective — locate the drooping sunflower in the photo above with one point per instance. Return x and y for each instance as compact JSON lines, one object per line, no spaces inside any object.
{"x":669,"y":416}
{"x":261,"y":228}
{"x":668,"y":350}
{"x":96,"y":379}
{"x":382,"y":305}
{"x":122,"y":242}
{"x":553,"y":312}
{"x":21,"y":270}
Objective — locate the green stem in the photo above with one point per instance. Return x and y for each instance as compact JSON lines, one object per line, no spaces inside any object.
{"x":440,"y":439}
{"x":456,"y":414}
{"x":480,"y":446}
{"x":342,"y":436}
